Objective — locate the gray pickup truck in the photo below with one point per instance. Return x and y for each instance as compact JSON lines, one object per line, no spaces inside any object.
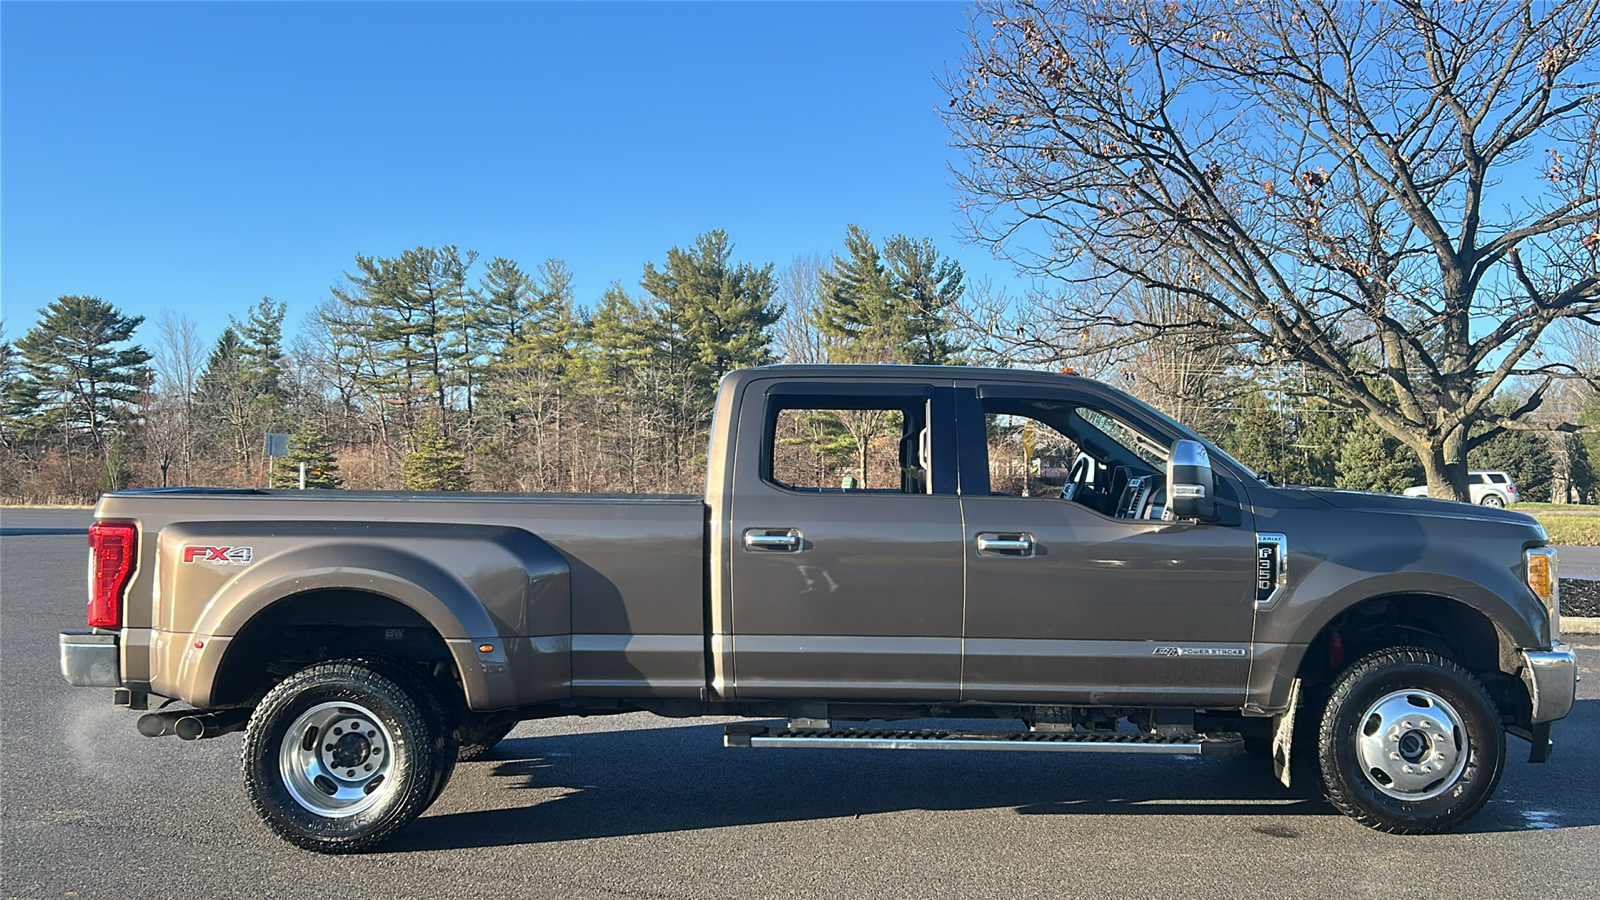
{"x":1038,"y":551}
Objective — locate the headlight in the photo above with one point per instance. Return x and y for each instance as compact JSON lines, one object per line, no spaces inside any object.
{"x":1545,"y":582}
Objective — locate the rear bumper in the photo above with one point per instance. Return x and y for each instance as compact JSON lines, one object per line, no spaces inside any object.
{"x":90,"y":660}
{"x":1551,"y":677}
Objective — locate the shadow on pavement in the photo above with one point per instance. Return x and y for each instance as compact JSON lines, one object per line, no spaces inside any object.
{"x":661,"y":780}
{"x":651,"y":781}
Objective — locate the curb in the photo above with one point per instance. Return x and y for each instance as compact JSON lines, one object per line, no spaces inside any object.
{"x":1580,"y":624}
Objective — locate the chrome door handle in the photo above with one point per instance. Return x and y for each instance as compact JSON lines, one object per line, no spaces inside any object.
{"x":782,"y":540}
{"x":1005,"y":544}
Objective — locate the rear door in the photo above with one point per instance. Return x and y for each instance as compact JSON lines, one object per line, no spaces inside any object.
{"x":1085,"y":601}
{"x":846,"y":547}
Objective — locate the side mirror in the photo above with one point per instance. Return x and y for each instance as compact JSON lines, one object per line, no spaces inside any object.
{"x":1191,"y":490}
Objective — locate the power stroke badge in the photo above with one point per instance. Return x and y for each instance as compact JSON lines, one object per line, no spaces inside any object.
{"x":1199,"y":651}
{"x":218,"y":556}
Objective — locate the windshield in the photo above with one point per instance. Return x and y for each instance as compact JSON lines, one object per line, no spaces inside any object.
{"x":1211,"y":448}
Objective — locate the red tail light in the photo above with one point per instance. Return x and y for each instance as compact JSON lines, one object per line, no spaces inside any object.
{"x":1511,"y":488}
{"x":113,"y":547}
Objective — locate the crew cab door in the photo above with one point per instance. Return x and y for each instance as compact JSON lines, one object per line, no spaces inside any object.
{"x":1086,"y":601}
{"x":845,"y":583}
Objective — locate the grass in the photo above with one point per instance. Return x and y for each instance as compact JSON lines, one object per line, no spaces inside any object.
{"x":1536,"y":508}
{"x":1581,"y":531}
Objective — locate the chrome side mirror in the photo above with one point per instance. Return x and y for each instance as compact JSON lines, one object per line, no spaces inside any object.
{"x":1191,"y":490}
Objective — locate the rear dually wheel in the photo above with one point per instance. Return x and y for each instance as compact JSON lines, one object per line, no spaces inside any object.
{"x":341,"y":755}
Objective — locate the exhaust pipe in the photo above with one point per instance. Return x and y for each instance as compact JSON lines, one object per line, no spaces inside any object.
{"x":192,"y":724}
{"x":160,"y":724}
{"x":195,"y":726}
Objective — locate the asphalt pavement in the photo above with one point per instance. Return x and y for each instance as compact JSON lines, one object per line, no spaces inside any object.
{"x":641,"y":806}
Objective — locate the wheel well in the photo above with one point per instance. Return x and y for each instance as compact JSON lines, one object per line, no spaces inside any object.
{"x":320,"y":625}
{"x":1440,"y":624}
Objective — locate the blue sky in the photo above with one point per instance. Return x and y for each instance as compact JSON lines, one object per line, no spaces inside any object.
{"x":199,"y":156}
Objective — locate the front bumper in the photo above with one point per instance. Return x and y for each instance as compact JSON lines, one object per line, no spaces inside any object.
{"x":90,"y":660}
{"x":1551,"y":677}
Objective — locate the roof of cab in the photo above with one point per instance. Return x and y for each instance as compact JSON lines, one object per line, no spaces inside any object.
{"x":913,"y":373}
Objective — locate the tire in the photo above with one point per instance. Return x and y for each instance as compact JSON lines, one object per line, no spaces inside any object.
{"x":477,"y":742}
{"x":1410,"y":742}
{"x":392,"y":755}
{"x":1492,"y":500}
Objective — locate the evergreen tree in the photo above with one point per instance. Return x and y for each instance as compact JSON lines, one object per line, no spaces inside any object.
{"x":227,"y":401}
{"x":75,"y":376}
{"x":410,"y":316}
{"x":1582,"y":476}
{"x":856,"y":307}
{"x":260,"y":355}
{"x":709,"y":317}
{"x":924,"y":286}
{"x":1374,"y":460}
{"x":891,"y":305}
{"x":436,"y":464}
{"x":1525,"y":455}
{"x":529,"y":321}
{"x":721,"y":312}
{"x":309,"y":445}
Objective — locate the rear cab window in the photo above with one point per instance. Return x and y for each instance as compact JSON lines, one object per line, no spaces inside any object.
{"x":824,"y":439}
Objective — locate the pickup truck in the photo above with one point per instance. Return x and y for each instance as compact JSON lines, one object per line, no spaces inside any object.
{"x":1036,"y":551}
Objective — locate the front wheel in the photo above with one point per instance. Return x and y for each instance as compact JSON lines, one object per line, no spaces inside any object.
{"x":1410,"y":742}
{"x":341,"y":755}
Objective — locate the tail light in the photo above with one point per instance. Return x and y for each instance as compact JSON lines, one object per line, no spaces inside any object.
{"x":113,"y":547}
{"x":1511,"y":489}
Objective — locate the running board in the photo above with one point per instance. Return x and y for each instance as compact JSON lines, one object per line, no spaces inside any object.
{"x":911,"y":739}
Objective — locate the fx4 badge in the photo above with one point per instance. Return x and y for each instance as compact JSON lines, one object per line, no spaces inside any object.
{"x":222,"y":556}
{"x":1199,"y":651}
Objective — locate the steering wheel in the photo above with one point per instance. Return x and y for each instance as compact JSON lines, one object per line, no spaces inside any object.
{"x":1077,"y":477}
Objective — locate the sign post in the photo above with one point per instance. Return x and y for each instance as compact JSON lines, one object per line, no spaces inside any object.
{"x":278,"y":445}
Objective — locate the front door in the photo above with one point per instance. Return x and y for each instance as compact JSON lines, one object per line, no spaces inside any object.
{"x":846,"y":544}
{"x":1094,"y":600}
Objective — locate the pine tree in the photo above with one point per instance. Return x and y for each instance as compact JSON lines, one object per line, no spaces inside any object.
{"x":260,"y":354}
{"x":1373,"y":460}
{"x":856,"y":305}
{"x":712,"y":317}
{"x":75,"y":376}
{"x":1582,"y":476}
{"x":227,"y":401}
{"x":890,"y":306}
{"x":1525,"y":455}
{"x":924,"y":286}
{"x":308,"y":445}
{"x":528,"y":322}
{"x":435,"y":464}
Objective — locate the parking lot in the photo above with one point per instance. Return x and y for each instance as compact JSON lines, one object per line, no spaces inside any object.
{"x":642,"y":806}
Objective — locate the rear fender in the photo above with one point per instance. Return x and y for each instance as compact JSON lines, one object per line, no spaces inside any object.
{"x":478,"y":587}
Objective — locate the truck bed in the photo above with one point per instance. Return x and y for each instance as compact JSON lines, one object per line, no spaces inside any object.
{"x":636,"y":561}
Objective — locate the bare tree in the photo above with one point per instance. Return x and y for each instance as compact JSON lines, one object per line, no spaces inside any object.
{"x":800,"y":291}
{"x":1403,"y":197}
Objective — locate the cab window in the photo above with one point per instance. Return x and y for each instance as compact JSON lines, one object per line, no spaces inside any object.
{"x":1063,"y":450}
{"x":849,"y":445}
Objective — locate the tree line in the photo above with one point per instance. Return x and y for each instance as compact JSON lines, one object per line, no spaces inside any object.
{"x":435,"y":370}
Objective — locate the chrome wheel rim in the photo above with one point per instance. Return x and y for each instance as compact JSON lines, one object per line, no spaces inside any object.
{"x":336,"y":759}
{"x":1411,"y":745}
